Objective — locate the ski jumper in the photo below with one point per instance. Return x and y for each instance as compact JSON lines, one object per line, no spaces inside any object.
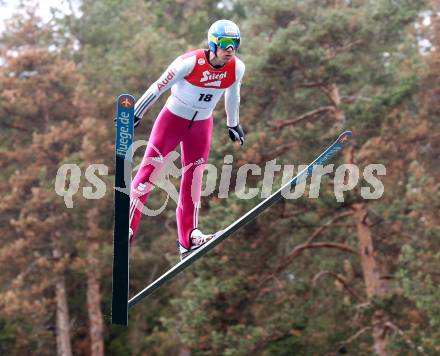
{"x":196,"y":87}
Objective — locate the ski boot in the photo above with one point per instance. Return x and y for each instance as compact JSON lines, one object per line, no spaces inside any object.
{"x":197,"y":239}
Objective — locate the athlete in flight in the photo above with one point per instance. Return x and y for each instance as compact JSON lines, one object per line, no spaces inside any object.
{"x":197,"y":80}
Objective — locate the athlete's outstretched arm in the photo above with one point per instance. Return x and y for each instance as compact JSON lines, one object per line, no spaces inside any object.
{"x":232,"y":105}
{"x":232,"y":96}
{"x":175,"y":72}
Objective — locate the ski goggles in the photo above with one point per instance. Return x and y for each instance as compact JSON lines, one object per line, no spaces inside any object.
{"x":226,"y":42}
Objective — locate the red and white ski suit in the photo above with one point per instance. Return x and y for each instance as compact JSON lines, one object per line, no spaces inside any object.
{"x":196,"y":87}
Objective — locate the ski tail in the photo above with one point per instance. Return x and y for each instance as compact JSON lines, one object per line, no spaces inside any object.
{"x":123,"y":162}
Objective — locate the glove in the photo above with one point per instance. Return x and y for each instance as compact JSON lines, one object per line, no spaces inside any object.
{"x":136,"y":121}
{"x":236,"y":133}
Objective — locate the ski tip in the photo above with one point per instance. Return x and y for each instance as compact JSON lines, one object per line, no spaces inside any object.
{"x":345,"y":137}
{"x":125,"y":95}
{"x":126,"y":100}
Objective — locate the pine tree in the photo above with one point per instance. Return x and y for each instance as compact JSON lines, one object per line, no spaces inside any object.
{"x":313,"y":69}
{"x":37,"y":106}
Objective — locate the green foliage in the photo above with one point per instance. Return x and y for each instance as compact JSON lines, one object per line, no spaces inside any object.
{"x":420,"y":285}
{"x":358,"y":58}
{"x":7,"y":332}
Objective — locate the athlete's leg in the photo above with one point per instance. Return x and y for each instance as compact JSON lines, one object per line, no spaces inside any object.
{"x":167,"y":132}
{"x":195,"y":147}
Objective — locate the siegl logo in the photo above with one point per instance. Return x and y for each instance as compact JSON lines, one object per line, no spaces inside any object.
{"x":207,"y":75}
{"x":212,"y":79}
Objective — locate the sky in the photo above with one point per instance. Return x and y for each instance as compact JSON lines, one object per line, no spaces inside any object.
{"x":9,"y":7}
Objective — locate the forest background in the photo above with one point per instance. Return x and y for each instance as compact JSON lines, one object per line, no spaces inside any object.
{"x":309,"y":276}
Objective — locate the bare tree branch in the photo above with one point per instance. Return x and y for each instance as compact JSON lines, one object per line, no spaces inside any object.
{"x":339,"y":279}
{"x":298,"y":250}
{"x":17,"y":127}
{"x":394,"y":327}
{"x":278,"y":124}
{"x":309,"y":85}
{"x":320,"y":229}
{"x":390,"y":224}
{"x":353,"y":98}
{"x":343,"y":49}
{"x":279,"y":151}
{"x":355,"y":336}
{"x":292,"y":214}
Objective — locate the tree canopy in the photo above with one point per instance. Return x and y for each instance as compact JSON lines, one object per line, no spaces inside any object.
{"x":308,"y":276}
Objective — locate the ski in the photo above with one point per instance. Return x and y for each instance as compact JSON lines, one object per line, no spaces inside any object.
{"x":324,"y":157}
{"x":123,"y":162}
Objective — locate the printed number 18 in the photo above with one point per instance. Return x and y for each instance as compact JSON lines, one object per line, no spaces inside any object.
{"x":205,"y":97}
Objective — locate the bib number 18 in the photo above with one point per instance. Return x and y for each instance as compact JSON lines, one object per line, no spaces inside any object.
{"x":205,"y":97}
